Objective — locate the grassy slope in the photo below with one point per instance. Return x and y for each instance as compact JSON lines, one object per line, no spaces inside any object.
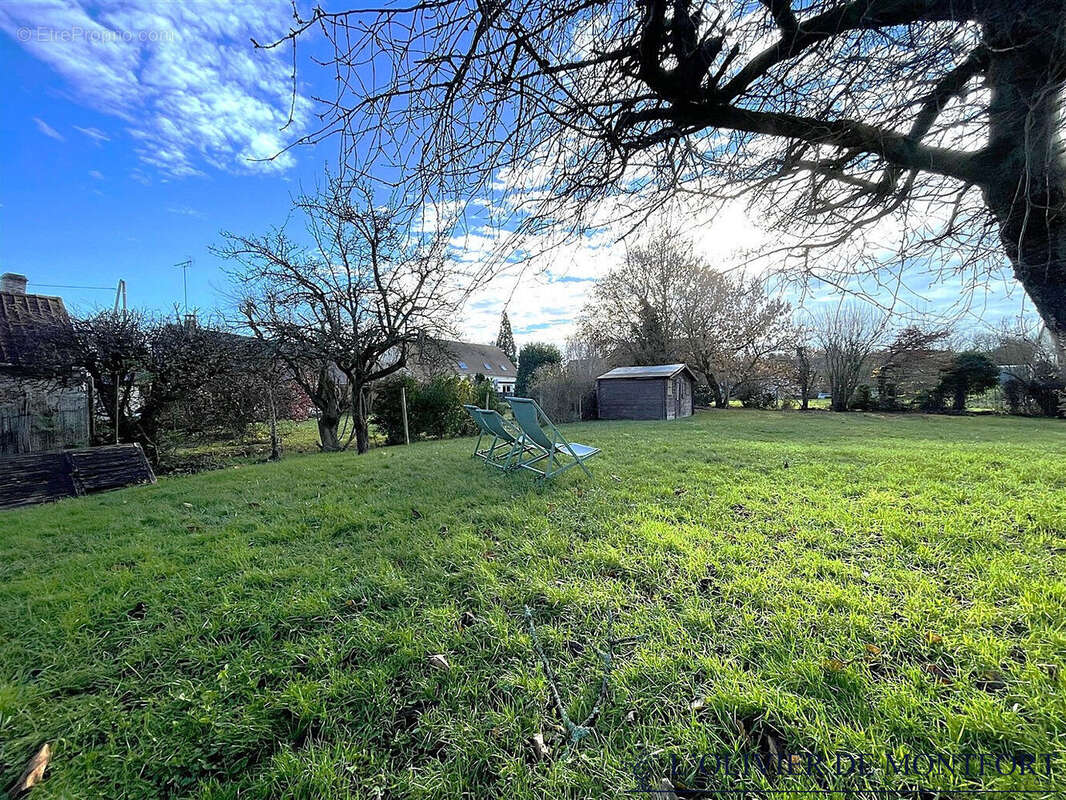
{"x":288,"y":609}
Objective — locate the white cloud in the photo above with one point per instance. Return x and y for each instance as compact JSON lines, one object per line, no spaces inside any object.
{"x":184,"y":77}
{"x":48,"y":130}
{"x":185,"y":211}
{"x":95,"y":134}
{"x":544,"y":295}
{"x":97,"y":174}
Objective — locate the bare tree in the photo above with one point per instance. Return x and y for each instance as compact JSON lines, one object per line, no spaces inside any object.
{"x":666,"y":304}
{"x":343,"y":305}
{"x":730,"y":328}
{"x":154,"y":377}
{"x":112,"y":347}
{"x":848,"y":336}
{"x":270,"y":379}
{"x":942,"y":116}
{"x":911,"y":363}
{"x":633,"y":312}
{"x":585,"y":358}
{"x":561,"y":391}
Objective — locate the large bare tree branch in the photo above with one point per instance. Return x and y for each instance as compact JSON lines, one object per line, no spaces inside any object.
{"x":833,"y":116}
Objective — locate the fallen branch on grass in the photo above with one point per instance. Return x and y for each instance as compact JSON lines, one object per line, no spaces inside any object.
{"x":577,"y":732}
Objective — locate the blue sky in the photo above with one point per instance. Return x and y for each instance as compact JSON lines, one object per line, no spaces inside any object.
{"x":127,"y":153}
{"x":128,"y":138}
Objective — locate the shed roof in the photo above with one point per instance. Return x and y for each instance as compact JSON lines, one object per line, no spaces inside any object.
{"x":655,"y":371}
{"x":25,"y":323}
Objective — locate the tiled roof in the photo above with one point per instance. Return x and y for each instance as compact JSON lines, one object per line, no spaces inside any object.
{"x":25,"y":319}
{"x":463,"y":358}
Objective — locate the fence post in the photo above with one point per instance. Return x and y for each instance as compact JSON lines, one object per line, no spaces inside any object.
{"x":90,"y":402}
{"x":403,"y":404}
{"x":117,"y":395}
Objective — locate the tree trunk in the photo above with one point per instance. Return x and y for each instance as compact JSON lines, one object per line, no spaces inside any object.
{"x":716,"y":393}
{"x":723,"y":395}
{"x":803,"y":369}
{"x":327,"y":399}
{"x":327,"y":431}
{"x":1027,"y":147}
{"x":275,"y":442}
{"x":118,"y":407}
{"x":359,"y":420}
{"x":840,"y":396}
{"x":712,"y":384}
{"x":960,"y":398}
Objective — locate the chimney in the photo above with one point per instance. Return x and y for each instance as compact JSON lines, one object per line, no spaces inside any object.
{"x":13,"y":283}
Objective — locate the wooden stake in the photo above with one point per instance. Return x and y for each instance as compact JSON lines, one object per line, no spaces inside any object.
{"x":403,"y":402}
{"x":116,"y":407}
{"x":275,"y":444}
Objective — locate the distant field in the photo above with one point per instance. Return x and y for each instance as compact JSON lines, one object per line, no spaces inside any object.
{"x":803,"y":582}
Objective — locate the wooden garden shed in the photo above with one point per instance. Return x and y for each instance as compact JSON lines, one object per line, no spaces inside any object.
{"x":663,"y":391}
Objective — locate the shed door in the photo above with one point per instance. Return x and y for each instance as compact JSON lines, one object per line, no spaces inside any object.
{"x":682,"y":397}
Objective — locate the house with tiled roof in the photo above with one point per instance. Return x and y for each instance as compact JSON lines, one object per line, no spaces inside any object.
{"x":40,"y":408}
{"x":466,"y":359}
{"x":26,"y":322}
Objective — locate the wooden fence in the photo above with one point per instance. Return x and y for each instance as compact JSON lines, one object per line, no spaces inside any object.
{"x":39,"y":477}
{"x":28,"y":428}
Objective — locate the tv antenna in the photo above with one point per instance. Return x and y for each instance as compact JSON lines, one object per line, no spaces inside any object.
{"x":184,"y":267}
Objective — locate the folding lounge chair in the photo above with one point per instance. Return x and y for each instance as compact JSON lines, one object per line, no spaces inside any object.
{"x":482,"y":432}
{"x":550,"y":444}
{"x":505,"y":443}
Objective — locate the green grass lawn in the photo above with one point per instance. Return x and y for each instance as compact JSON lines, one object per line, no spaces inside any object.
{"x":196,"y":455}
{"x":803,"y":582}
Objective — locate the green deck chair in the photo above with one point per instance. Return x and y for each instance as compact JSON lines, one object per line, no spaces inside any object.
{"x":505,"y":443}
{"x":549,"y":444}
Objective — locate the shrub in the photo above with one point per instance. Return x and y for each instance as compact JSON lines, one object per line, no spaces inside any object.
{"x":862,"y":399}
{"x":434,"y":407}
{"x":438,"y":407}
{"x":387,"y":411}
{"x":755,"y":396}
{"x":887,"y":397}
{"x":1041,"y":395}
{"x":702,"y":395}
{"x":564,"y":395}
{"x":485,"y":396}
{"x":968,"y":373}
{"x":931,"y":401}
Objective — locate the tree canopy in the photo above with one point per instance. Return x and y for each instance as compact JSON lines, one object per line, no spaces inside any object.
{"x":505,"y":338}
{"x":665,"y":304}
{"x":531,"y":357}
{"x":342,"y":312}
{"x":927,"y":126}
